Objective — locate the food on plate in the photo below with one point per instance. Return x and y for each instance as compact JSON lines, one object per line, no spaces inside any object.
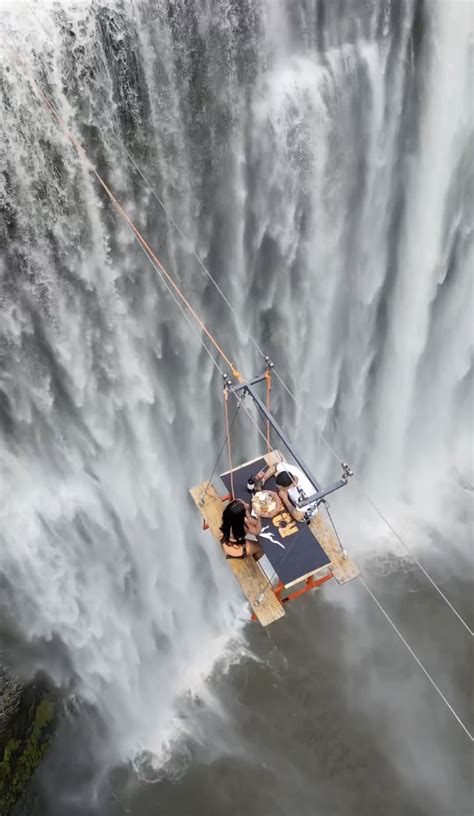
{"x":266,"y":503}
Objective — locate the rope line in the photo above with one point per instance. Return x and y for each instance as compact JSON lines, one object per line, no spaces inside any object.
{"x":252,"y":419}
{"x":229,"y":446}
{"x":312,"y":423}
{"x":240,"y":402}
{"x":186,"y":239}
{"x":268,"y":382}
{"x":421,"y":567}
{"x":33,"y":12}
{"x":183,"y":311}
{"x":417,"y":659}
{"x":220,"y":454}
{"x":194,"y":254}
{"x":151,"y":254}
{"x":326,"y":507}
{"x":160,"y":201}
{"x":381,"y":515}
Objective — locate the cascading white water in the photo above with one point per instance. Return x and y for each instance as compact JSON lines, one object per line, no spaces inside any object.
{"x":317,"y":159}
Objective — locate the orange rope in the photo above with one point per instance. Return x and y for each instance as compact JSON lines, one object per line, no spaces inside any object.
{"x":134,"y":229}
{"x":227,"y":433}
{"x":268,"y":380}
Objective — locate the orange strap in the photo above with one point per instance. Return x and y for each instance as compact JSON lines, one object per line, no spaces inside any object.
{"x":268,"y":380}
{"x":227,"y":433}
{"x":134,"y":229}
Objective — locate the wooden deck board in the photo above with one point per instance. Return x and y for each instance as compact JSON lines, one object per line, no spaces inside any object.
{"x":343,"y":569}
{"x":315,"y":574}
{"x":246,"y":570}
{"x":273,"y":457}
{"x":243,"y":464}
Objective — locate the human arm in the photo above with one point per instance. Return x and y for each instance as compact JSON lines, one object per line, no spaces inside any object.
{"x":253,"y":525}
{"x":264,"y":475}
{"x":298,"y":515}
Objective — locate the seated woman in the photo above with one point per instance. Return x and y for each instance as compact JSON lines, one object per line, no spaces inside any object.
{"x":239,"y":531}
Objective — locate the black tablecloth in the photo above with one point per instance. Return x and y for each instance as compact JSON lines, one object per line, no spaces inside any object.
{"x":289,"y":545}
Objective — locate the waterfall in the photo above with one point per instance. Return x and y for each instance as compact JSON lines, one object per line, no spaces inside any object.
{"x":316,"y":156}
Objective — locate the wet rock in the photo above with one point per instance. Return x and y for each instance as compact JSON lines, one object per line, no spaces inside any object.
{"x":27,"y":720}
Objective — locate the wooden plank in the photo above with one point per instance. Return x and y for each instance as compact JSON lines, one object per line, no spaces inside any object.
{"x":253,"y":582}
{"x":273,"y":457}
{"x":343,"y":569}
{"x":257,"y":589}
{"x":211,"y":507}
{"x":319,"y":573}
{"x":243,"y":464}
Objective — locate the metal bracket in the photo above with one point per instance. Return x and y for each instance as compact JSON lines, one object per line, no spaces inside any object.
{"x":346,"y":471}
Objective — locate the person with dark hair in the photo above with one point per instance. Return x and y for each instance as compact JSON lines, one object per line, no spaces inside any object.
{"x":240,"y":531}
{"x":293,"y":486}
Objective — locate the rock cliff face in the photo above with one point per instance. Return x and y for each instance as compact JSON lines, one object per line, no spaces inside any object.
{"x":27,"y":717}
{"x":10,"y":702}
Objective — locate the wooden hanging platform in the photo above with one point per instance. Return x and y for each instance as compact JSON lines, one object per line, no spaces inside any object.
{"x":290,"y":546}
{"x":267,"y":608}
{"x":267,"y":601}
{"x":343,"y":569}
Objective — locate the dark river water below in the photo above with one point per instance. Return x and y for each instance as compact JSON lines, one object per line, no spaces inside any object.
{"x":333,"y":717}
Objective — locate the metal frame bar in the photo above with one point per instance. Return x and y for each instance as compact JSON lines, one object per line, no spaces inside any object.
{"x":309,"y":584}
{"x":321,"y":492}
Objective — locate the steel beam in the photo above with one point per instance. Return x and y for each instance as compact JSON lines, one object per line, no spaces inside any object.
{"x":280,"y":432}
{"x":247,"y":388}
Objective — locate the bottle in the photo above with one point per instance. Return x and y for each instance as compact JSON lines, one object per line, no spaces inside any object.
{"x":254,"y":485}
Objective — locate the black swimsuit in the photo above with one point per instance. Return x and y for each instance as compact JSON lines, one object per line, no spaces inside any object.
{"x":237,"y":544}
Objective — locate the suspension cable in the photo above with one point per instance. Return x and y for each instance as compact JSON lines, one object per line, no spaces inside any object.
{"x":330,"y":448}
{"x":160,"y":201}
{"x":194,"y":254}
{"x":417,"y":659}
{"x":326,"y":507}
{"x":79,"y":148}
{"x":241,"y":401}
{"x":381,"y":515}
{"x":404,"y":641}
{"x":229,"y":445}
{"x":268,"y":382}
{"x":421,"y":567}
{"x":204,"y":494}
{"x":183,"y":311}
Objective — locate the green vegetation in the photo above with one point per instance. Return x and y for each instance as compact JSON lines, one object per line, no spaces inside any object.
{"x":44,"y":714}
{"x":21,"y":758}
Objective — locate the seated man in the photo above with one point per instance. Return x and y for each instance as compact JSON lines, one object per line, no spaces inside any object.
{"x":293,"y":486}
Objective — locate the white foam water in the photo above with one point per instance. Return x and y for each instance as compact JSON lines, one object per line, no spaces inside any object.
{"x":318,"y":161}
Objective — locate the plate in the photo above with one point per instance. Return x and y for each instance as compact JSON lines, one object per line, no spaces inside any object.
{"x":267,"y":503}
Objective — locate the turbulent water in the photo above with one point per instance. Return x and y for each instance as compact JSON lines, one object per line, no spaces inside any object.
{"x":315,"y":154}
